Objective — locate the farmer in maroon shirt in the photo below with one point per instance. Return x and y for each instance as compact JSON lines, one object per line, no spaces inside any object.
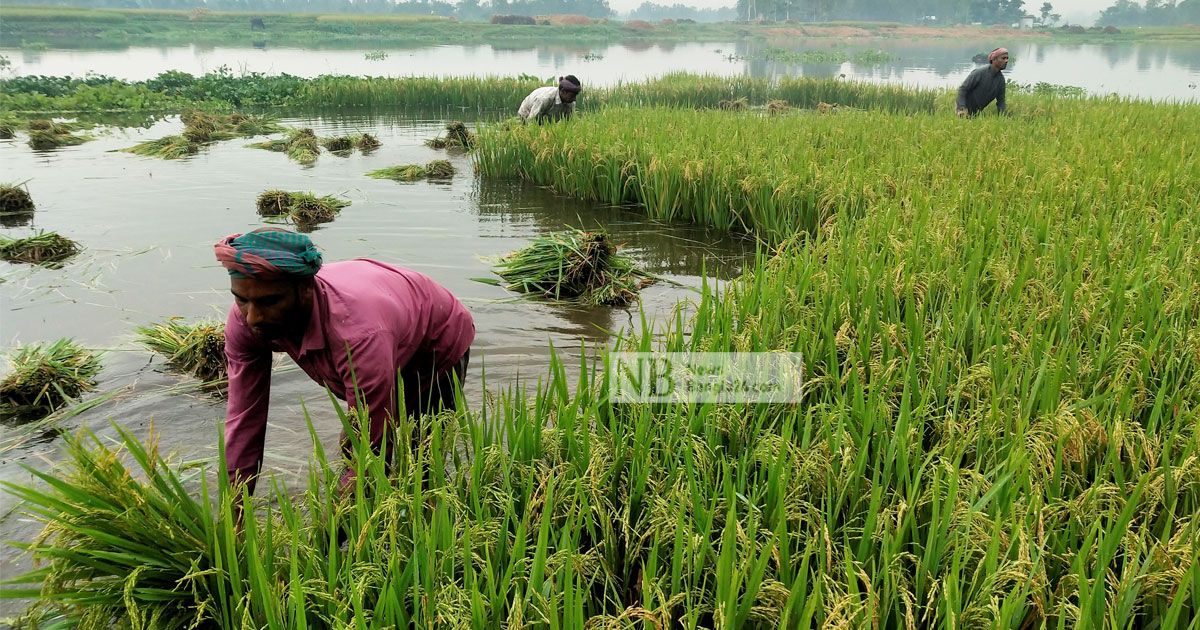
{"x":352,"y":326}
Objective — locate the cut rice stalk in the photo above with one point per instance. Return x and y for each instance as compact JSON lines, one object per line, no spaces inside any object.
{"x":45,"y":378}
{"x":577,"y":266}
{"x":197,"y":349}
{"x":41,"y":248}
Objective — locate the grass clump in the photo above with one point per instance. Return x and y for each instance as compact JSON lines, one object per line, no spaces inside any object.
{"x":197,"y":349}
{"x":304,"y":209}
{"x":45,"y":377}
{"x":574,"y":266}
{"x":202,"y":128}
{"x":457,"y":137}
{"x":43,"y":248}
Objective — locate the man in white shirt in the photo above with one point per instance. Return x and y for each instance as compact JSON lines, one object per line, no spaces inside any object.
{"x":551,"y":102}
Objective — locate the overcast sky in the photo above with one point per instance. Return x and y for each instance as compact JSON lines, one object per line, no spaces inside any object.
{"x":1076,"y":11}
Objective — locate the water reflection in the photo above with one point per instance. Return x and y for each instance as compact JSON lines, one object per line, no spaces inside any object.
{"x":1159,"y":70}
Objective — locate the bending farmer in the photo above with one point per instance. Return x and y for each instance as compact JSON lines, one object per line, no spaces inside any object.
{"x":352,"y":326}
{"x":551,"y":102}
{"x":984,"y":85}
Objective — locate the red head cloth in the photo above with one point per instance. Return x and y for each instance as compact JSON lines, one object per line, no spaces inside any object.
{"x":996,"y":53}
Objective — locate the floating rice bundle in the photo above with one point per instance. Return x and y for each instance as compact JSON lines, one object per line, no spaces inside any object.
{"x":47,"y":134}
{"x":402,"y":173}
{"x":301,"y":145}
{"x":14,"y":199}
{"x":199,"y":129}
{"x":367,"y":142}
{"x":337,"y":144}
{"x":304,"y":209}
{"x":167,"y":148}
{"x":273,"y":203}
{"x":41,"y":248}
{"x":7,"y":129}
{"x":45,"y":378}
{"x":439,"y":169}
{"x":197,"y":349}
{"x":457,"y":137}
{"x":574,"y":265}
{"x":308,"y":209}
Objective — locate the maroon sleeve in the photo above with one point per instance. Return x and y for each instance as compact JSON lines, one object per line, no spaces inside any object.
{"x":249,"y":364}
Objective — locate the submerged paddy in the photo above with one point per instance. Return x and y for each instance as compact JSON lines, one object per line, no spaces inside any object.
{"x":998,"y":427}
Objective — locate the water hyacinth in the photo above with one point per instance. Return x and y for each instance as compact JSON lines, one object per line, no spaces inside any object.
{"x":44,"y":377}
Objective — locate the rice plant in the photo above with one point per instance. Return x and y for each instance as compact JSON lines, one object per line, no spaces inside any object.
{"x":439,"y":169}
{"x":573,"y":266}
{"x":197,"y":349}
{"x":304,"y":209}
{"x":457,"y":137}
{"x":300,"y":145}
{"x":43,"y":248}
{"x":46,"y":134}
{"x":45,"y":377}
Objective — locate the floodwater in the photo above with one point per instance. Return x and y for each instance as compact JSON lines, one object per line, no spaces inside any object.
{"x":148,"y":226}
{"x":1153,"y":70}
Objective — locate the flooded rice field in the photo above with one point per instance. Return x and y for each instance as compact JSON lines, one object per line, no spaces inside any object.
{"x":148,"y":225}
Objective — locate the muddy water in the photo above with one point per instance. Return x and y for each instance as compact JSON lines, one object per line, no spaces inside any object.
{"x":148,"y":225}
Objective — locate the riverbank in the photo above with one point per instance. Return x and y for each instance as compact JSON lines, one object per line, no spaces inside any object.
{"x":39,"y":27}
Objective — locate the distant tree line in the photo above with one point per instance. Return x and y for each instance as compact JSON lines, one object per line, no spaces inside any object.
{"x":932,"y":11}
{"x":652,"y":12}
{"x":465,"y":9}
{"x":1153,"y":13}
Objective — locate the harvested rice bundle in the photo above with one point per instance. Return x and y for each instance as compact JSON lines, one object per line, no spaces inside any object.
{"x":439,"y":169}
{"x":402,"y":173}
{"x":367,"y":142}
{"x":301,"y":145}
{"x":308,"y":209}
{"x":14,"y":199}
{"x":574,"y":265}
{"x":8,"y":129}
{"x":337,"y":144}
{"x":167,"y":148}
{"x":457,"y":137}
{"x":51,"y":135}
{"x":273,"y":203}
{"x":42,"y":248}
{"x":45,"y":378}
{"x":197,"y":349}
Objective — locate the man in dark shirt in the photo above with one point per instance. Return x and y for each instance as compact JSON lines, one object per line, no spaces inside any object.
{"x":984,"y":85}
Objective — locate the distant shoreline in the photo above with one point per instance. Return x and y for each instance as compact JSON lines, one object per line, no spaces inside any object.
{"x":45,"y":27}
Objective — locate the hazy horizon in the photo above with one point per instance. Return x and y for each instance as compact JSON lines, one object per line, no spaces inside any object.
{"x":1074,"y":11}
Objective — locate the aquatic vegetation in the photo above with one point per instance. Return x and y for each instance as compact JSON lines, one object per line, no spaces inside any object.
{"x":304,"y":209}
{"x":45,"y":377}
{"x":43,"y":248}
{"x":375,"y":55}
{"x":457,"y":137}
{"x":197,"y":348}
{"x":574,"y":265}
